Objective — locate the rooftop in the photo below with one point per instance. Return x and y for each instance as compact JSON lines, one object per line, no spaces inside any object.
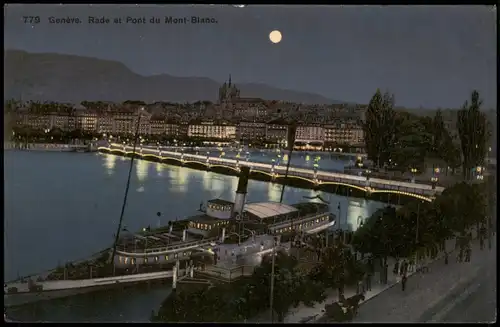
{"x":268,"y":209}
{"x":307,"y":208}
{"x":220,"y":201}
{"x":204,"y":218}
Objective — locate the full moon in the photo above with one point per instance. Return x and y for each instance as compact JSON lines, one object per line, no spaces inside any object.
{"x":275,"y":36}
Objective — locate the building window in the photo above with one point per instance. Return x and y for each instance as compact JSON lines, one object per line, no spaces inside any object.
{"x":176,"y":256}
{"x":133,"y":261}
{"x":166,"y":258}
{"x":126,"y":260}
{"x":120,"y":259}
{"x":156,"y":259}
{"x":145,"y":260}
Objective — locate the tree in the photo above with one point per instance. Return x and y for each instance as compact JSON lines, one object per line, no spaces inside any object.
{"x":379,"y":127}
{"x":412,"y":142}
{"x":462,"y":206}
{"x":373,"y":128}
{"x":472,"y":129}
{"x":438,"y":132}
{"x":291,"y":286}
{"x":338,"y":268}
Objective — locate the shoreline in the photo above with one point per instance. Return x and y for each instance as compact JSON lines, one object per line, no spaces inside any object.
{"x":49,"y":147}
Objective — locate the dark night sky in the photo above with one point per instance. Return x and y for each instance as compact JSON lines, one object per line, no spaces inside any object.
{"x":429,"y":56}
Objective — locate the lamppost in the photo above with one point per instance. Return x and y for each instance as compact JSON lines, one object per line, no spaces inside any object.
{"x":479,"y":173}
{"x":368,"y":172}
{"x":315,"y":168}
{"x":413,"y":172}
{"x":272,"y":165}
{"x":416,"y":233}
{"x":273,"y":262}
{"x":434,"y":181}
{"x":435,"y":178}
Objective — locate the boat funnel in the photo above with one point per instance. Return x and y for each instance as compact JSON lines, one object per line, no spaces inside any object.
{"x":223,"y":237}
{"x":241,"y":191}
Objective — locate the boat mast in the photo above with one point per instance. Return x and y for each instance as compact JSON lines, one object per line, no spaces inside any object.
{"x":136,"y":138}
{"x":292,"y":128}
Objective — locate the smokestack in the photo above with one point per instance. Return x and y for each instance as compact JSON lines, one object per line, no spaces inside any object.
{"x":292,"y":130}
{"x":223,"y":236}
{"x":241,"y":191}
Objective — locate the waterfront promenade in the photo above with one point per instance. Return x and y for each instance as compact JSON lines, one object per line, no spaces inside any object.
{"x":317,"y":178}
{"x":46,"y":147}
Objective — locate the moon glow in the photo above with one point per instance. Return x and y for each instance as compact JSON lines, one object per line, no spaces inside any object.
{"x":275,"y":36}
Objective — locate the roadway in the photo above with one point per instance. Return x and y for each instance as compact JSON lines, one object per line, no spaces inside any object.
{"x":479,"y":302}
{"x":457,"y":292}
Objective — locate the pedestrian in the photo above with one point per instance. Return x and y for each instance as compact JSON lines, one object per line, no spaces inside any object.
{"x":412,"y":264}
{"x":405,"y":267}
{"x":403,"y":283}
{"x":467,"y":254}
{"x":396,"y":267}
{"x":369,"y":281}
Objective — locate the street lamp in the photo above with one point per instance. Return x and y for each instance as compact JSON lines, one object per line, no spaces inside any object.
{"x":315,"y":166}
{"x":273,"y":262}
{"x":368,"y":172}
{"x":413,"y":172}
{"x":434,"y":181}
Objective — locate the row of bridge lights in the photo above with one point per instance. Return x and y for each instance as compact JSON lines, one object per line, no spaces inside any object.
{"x":434,"y":179}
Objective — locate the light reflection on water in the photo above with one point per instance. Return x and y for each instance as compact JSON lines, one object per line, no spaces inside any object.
{"x":110,"y":163}
{"x":92,"y":209}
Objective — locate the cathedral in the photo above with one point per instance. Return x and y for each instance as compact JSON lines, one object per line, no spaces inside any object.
{"x":228,"y":92}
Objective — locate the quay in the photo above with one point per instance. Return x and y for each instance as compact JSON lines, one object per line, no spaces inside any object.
{"x":50,"y":147}
{"x":350,"y":185}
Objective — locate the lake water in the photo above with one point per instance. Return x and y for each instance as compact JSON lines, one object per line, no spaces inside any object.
{"x":65,"y":206}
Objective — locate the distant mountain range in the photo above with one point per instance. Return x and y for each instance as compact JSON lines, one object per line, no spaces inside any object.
{"x":69,"y":78}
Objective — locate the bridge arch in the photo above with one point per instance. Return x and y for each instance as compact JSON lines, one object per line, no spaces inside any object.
{"x":117,"y":150}
{"x":357,"y":187}
{"x":256,"y":171}
{"x":152,"y":156}
{"x":310,"y":181}
{"x":195,"y":162}
{"x":224,"y":166}
{"x":170,"y":159}
{"x":413,"y":195}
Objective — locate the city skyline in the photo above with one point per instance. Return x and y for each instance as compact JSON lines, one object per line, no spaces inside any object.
{"x":427,"y":56}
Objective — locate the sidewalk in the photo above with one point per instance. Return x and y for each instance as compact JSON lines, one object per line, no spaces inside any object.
{"x":303,"y":314}
{"x":425,"y":291}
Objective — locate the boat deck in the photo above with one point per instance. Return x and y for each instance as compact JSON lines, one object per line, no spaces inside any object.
{"x":141,"y":243}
